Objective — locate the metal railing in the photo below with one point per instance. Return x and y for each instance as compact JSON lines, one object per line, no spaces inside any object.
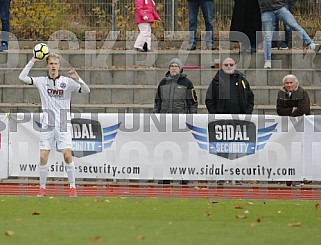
{"x":39,"y":19}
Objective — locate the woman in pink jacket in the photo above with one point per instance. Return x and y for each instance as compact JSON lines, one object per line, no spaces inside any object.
{"x":145,"y":15}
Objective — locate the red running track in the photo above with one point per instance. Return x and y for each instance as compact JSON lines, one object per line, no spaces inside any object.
{"x":212,"y":192}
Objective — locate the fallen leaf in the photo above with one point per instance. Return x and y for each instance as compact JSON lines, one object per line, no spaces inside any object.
{"x":259,"y":220}
{"x":295,"y":224}
{"x":250,"y":203}
{"x":317,"y":206}
{"x":9,"y":233}
{"x":212,"y":202}
{"x":238,"y":207}
{"x":240,"y":217}
{"x":246,"y":211}
{"x":141,"y":237}
{"x":35,"y":213}
{"x":207,"y":214}
{"x":96,"y":239}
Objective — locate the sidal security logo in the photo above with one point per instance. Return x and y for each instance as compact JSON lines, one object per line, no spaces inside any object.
{"x":89,"y":137}
{"x":231,"y":139}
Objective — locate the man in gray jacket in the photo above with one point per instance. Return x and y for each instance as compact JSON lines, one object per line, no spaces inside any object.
{"x":175,"y":93}
{"x":275,"y":9}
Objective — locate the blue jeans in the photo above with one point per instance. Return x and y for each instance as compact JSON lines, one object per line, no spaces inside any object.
{"x":207,"y":7}
{"x":268,"y":20}
{"x":287,"y":29}
{"x":5,"y":19}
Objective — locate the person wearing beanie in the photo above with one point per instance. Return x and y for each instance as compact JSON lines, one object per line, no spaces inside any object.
{"x":175,"y":94}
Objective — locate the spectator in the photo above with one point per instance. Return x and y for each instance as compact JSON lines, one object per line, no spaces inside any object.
{"x":207,"y":7}
{"x":229,"y":93}
{"x":292,"y":101}
{"x":275,"y":9}
{"x":175,"y":94}
{"x":287,"y":32}
{"x":246,"y":18}
{"x":5,"y":21}
{"x":145,"y":15}
{"x":55,"y":94}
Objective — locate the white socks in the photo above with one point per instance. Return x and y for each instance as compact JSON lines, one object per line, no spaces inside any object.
{"x":43,"y":173}
{"x":70,"y":168}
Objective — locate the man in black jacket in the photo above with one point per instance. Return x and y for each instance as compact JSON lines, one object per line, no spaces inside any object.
{"x":229,"y":91}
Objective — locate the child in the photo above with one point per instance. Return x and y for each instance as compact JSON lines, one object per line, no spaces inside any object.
{"x":145,"y":15}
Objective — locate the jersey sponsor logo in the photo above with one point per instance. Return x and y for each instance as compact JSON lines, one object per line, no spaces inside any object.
{"x":55,"y":92}
{"x":63,"y":85}
{"x":231,"y":139}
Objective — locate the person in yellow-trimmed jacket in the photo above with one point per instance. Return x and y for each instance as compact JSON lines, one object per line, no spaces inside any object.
{"x":229,"y":92}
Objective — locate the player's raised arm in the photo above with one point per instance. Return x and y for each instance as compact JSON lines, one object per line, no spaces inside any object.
{"x":74,"y":75}
{"x":24,"y":73}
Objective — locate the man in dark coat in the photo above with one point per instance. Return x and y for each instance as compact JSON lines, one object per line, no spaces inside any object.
{"x":246,"y":18}
{"x":229,"y":91}
{"x":292,"y":99}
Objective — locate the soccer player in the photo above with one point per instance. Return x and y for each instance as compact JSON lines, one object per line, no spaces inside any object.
{"x":55,"y":94}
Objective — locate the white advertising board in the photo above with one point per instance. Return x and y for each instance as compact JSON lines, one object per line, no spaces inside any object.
{"x":165,"y":146}
{"x":3,"y":146}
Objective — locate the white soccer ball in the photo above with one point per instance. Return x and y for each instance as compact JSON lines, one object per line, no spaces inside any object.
{"x":41,"y":51}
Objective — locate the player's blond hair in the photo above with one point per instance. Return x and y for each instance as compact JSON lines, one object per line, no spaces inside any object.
{"x":53,"y":56}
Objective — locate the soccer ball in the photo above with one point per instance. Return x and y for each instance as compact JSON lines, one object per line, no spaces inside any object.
{"x":41,"y":51}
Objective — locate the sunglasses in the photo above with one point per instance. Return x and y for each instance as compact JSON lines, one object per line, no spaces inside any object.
{"x":229,"y":64}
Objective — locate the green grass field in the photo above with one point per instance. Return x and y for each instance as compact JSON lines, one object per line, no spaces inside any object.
{"x":31,"y":220}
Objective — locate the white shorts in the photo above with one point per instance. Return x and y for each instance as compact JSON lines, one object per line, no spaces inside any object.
{"x":56,"y":139}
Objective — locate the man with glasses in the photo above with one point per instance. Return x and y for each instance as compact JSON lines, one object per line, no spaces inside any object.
{"x":229,"y":93}
{"x":175,"y":94}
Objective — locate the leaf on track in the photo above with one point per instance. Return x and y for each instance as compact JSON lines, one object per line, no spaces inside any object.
{"x":207,"y":214}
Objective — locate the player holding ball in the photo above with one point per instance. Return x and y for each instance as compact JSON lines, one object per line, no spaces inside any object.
{"x":55,"y":93}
